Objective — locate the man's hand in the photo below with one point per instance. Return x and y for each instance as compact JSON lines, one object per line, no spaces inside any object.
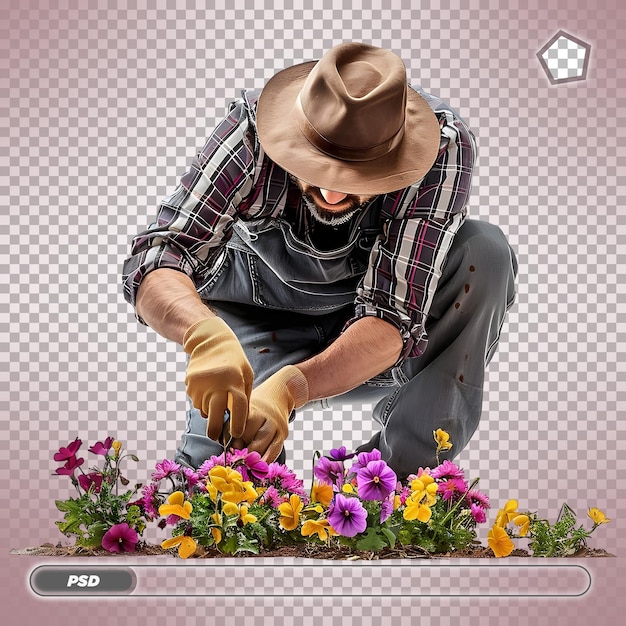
{"x":218,"y":367}
{"x":271,"y":405}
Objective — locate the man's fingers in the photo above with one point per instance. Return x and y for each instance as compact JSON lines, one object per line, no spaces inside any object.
{"x":238,"y":408}
{"x":217,"y":404}
{"x":273,"y":450}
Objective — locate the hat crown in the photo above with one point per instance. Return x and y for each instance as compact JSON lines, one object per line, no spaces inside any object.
{"x":354,"y":99}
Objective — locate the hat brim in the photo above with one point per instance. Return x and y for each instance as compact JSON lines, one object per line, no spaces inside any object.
{"x":286,"y":145}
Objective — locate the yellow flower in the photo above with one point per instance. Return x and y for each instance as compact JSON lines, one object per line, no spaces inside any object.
{"x":320,"y":527}
{"x":416,"y":509}
{"x":117,"y":446}
{"x":523,"y":521}
{"x":216,"y":532}
{"x":176,"y":505}
{"x":507,"y":514}
{"x":347,"y":488}
{"x":245,"y":517}
{"x":397,"y":502}
{"x":321,"y":493}
{"x":500,"y":542}
{"x":598,"y":516}
{"x":424,"y":489}
{"x":442,"y":439}
{"x":230,"y":508}
{"x":186,"y":545}
{"x":290,"y":512}
{"x":244,"y":492}
{"x":225,"y":478}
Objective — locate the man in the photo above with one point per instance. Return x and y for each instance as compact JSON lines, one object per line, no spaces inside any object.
{"x":317,"y":250}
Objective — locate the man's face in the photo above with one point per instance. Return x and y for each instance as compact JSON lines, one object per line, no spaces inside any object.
{"x":330,"y":207}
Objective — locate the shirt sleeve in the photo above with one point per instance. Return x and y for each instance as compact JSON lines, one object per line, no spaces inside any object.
{"x":407,"y":260}
{"x":194,"y":222}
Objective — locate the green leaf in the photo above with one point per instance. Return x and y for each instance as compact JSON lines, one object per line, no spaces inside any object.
{"x":371,"y":542}
{"x":391,"y":538}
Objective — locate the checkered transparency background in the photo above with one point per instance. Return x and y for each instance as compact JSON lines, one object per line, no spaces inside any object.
{"x":102,"y":110}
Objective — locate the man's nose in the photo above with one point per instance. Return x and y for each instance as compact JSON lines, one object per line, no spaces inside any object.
{"x":333,"y":197}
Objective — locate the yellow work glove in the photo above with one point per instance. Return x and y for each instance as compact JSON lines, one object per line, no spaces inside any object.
{"x":219,"y":375}
{"x":271,"y":405}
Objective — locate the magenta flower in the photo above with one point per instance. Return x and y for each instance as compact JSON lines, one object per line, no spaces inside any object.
{"x":447,"y":470}
{"x":150,"y":501}
{"x":93,"y":478}
{"x":347,"y":515}
{"x":451,"y":488}
{"x":375,"y":481}
{"x":120,"y":538}
{"x":478,"y":513}
{"x":256,"y":466}
{"x":164,"y":469}
{"x":329,"y":472}
{"x":65,"y":454}
{"x":477,"y":497}
{"x":191,"y":476}
{"x":70,"y":466}
{"x":102,"y":447}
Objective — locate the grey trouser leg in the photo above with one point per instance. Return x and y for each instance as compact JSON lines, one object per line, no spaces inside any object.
{"x":443,"y":388}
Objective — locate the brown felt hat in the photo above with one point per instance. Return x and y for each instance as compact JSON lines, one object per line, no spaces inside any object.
{"x":348,"y":122}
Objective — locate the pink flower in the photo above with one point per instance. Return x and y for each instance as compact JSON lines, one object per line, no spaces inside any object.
{"x":150,"y":502}
{"x":103,"y":447}
{"x":452,"y":487}
{"x":120,"y":538}
{"x":447,"y":470}
{"x":65,"y":454}
{"x":478,"y":513}
{"x":164,"y":469}
{"x":93,"y":478}
{"x":70,"y":466}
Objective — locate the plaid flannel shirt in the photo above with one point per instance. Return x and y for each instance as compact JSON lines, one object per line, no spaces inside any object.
{"x":231,"y":178}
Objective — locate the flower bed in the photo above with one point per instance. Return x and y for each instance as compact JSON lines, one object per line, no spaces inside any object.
{"x":235,"y":503}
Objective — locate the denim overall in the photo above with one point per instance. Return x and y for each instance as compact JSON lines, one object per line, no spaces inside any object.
{"x":286,"y":300}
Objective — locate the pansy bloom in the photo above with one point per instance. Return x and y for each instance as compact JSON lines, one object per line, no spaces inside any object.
{"x":176,"y":505}
{"x":347,"y":515}
{"x":376,"y":481}
{"x":120,"y":538}
{"x":102,"y":447}
{"x":186,"y":545}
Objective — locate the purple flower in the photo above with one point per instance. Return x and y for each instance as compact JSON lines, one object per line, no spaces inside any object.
{"x":102,"y":447}
{"x":341,"y":454}
{"x":386,"y":509}
{"x":452,"y":487}
{"x":70,"y":466}
{"x":120,"y":538}
{"x":65,"y":454}
{"x":164,"y":469}
{"x":478,"y":513}
{"x":329,"y":472}
{"x":93,"y":478}
{"x":347,"y":515}
{"x":272,"y":497}
{"x":447,"y":470}
{"x":375,"y":481}
{"x":363,"y":458}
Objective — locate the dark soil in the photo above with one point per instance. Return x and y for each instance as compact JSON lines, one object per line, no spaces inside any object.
{"x":308,"y":551}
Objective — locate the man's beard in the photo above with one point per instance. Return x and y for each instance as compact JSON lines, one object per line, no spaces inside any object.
{"x":341,"y":213}
{"x":332,"y":218}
